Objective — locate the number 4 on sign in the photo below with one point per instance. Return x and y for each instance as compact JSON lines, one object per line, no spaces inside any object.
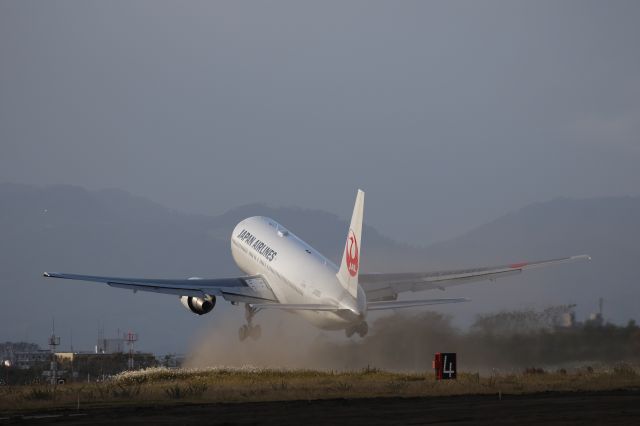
{"x":448,"y":368}
{"x":445,"y":365}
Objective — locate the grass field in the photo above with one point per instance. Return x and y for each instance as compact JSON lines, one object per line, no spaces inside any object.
{"x":161,"y":386}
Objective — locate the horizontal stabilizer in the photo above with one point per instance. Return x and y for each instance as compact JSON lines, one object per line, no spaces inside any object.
{"x":378,"y":306}
{"x":296,"y":306}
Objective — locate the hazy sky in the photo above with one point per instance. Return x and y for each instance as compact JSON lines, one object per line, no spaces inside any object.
{"x":447,"y":113}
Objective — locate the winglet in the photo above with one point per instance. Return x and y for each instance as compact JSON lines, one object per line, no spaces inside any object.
{"x":581,"y":256}
{"x":348,"y":273}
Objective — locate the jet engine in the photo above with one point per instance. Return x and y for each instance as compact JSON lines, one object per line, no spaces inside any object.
{"x":199,"y":305}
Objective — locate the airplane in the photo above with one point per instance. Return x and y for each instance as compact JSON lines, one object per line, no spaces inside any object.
{"x":284,"y":272}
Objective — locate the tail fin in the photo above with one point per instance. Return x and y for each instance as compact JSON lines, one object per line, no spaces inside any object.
{"x":348,"y":273}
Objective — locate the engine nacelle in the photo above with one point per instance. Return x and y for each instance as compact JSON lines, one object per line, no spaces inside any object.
{"x":199,"y":305}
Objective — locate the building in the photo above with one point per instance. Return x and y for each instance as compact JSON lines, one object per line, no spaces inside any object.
{"x":31,"y":359}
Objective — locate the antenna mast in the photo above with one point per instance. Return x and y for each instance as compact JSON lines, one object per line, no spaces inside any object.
{"x":53,"y":342}
{"x":130,"y":338}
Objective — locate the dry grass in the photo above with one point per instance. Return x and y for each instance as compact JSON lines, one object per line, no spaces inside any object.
{"x":170,"y":386}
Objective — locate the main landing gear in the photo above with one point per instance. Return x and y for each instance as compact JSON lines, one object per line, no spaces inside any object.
{"x":362,"y":329}
{"x":249,"y":330}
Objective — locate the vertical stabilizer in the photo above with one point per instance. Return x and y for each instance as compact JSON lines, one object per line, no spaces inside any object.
{"x":348,"y":273}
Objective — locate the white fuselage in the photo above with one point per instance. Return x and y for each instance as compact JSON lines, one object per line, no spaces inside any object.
{"x":295,"y":271}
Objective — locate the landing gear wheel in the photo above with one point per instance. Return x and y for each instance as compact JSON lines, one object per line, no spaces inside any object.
{"x":255,"y":332}
{"x":349,"y":332}
{"x":363,"y":329}
{"x":249,"y":330}
{"x":243,"y":332}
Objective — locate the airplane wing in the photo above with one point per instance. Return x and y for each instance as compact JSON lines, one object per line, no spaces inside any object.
{"x":372,"y":306}
{"x":247,"y":289}
{"x":381,"y":287}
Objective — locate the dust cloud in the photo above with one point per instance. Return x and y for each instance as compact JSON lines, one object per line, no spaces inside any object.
{"x":407,"y":342}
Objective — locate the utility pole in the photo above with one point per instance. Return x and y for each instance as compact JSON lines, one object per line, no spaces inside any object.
{"x":73,"y":356}
{"x":600,"y":307}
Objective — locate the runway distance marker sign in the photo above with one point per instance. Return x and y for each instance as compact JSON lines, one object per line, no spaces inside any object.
{"x":445,"y":365}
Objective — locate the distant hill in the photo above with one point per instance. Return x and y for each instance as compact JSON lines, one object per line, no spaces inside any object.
{"x":70,"y":229}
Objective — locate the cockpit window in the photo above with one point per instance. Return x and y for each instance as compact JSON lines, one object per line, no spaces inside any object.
{"x":282,"y":232}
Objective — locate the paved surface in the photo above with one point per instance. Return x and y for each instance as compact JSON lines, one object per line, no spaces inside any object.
{"x":619,"y":407}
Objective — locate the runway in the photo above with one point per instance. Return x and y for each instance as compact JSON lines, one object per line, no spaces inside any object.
{"x":549,"y":408}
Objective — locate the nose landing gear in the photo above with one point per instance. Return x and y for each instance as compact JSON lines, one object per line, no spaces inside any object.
{"x":249,"y":330}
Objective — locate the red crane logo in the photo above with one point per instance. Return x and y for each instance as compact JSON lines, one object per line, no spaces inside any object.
{"x":352,"y":254}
